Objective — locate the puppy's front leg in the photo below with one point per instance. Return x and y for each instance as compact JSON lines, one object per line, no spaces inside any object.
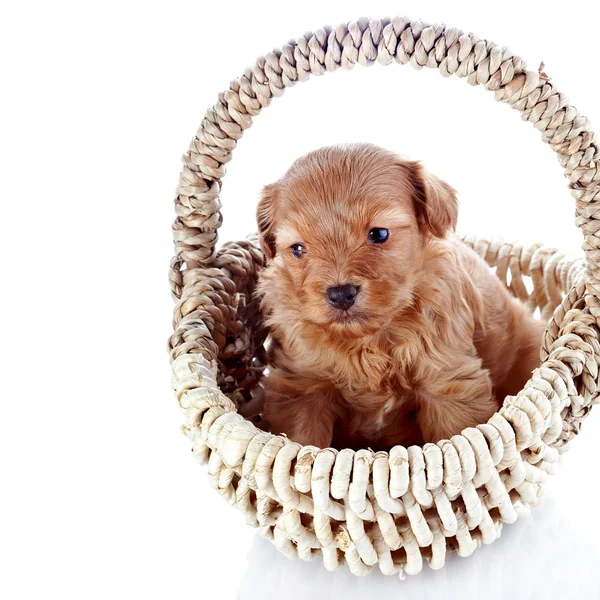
{"x":454,"y":399}
{"x":304,"y":409}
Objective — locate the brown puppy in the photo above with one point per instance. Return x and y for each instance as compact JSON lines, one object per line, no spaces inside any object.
{"x":386,"y":330}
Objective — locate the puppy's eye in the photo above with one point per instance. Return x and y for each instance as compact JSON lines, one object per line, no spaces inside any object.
{"x":298,"y":250}
{"x":378,"y":235}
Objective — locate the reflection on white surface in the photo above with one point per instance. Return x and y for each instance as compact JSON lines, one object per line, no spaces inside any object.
{"x":542,"y":556}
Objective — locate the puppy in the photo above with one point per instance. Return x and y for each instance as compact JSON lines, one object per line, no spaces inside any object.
{"x":385,"y":329}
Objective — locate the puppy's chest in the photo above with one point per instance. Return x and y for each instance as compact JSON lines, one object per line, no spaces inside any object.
{"x":371,"y":370}
{"x":379,"y":401}
{"x":379,"y":389}
{"x":377,"y":380}
{"x":380,"y":417}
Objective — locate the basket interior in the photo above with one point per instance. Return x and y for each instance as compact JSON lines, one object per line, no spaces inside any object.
{"x":538,"y":276}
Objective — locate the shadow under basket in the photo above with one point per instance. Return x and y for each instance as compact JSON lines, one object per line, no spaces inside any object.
{"x":365,"y":508}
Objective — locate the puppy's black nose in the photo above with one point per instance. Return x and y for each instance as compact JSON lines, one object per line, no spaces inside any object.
{"x":342,"y":296}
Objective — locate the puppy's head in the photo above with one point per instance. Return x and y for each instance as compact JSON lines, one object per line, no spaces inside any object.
{"x":344,"y":232}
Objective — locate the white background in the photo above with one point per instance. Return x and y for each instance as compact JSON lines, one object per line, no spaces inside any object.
{"x":100,"y":497}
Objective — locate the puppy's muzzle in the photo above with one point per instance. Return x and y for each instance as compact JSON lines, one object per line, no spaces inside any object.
{"x":342,"y":296}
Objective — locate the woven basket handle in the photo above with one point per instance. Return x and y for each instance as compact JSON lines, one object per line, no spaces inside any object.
{"x":365,"y":42}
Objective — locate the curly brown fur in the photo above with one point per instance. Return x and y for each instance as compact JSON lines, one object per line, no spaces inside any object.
{"x":433,"y":342}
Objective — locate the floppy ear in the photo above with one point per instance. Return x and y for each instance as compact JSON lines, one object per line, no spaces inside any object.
{"x":435,"y":201}
{"x":265,"y":217}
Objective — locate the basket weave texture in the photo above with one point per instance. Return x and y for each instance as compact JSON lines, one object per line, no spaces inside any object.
{"x":363,"y":508}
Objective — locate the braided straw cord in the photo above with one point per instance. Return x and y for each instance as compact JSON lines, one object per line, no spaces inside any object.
{"x":394,"y":508}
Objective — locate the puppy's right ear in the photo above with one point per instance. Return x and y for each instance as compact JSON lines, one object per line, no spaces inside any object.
{"x":265,"y":217}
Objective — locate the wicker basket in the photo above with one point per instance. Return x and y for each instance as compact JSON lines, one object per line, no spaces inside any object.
{"x":387,"y":508}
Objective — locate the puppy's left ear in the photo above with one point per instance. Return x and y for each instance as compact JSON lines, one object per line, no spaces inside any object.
{"x":265,"y":217}
{"x":435,"y":201}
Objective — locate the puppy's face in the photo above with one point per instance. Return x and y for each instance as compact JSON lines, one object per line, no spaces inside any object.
{"x":344,"y":231}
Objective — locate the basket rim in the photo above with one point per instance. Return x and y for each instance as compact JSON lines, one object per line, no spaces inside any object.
{"x":567,"y":269}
